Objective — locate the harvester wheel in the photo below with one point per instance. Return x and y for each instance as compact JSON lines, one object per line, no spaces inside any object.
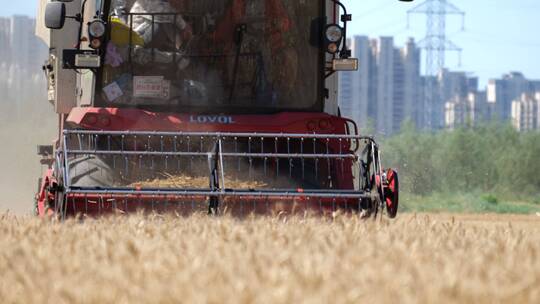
{"x":91,"y":171}
{"x":391,"y":193}
{"x":84,"y":171}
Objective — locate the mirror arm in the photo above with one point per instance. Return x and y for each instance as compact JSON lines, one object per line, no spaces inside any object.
{"x":344,"y":18}
{"x":79,"y":18}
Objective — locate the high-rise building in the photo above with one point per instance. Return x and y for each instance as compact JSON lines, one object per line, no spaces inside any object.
{"x":407,"y":99}
{"x":383,"y":53}
{"x":502,"y":92}
{"x":452,"y":87}
{"x":413,"y":105}
{"x":18,"y":39}
{"x":21,"y":56}
{"x":354,"y":86}
{"x":480,"y":108}
{"x":525,"y":112}
{"x":466,"y":111}
{"x":537,"y":97}
{"x":398,"y":115}
{"x":385,"y":89}
{"x":5,"y":37}
{"x":534,"y":85}
{"x":456,"y":113}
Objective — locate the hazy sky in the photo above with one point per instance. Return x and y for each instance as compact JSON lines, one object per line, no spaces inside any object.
{"x":500,"y":35}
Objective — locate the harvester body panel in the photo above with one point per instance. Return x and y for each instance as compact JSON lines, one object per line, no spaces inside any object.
{"x":214,"y":106}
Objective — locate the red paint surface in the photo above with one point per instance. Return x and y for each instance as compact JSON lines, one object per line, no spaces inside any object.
{"x":140,"y":120}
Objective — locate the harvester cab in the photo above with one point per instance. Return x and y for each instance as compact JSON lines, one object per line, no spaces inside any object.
{"x":217,"y":106}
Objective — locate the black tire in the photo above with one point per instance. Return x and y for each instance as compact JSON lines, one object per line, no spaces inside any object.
{"x":91,"y":171}
{"x":84,"y":171}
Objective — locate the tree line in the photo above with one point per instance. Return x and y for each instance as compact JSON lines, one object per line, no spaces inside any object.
{"x":491,"y":158}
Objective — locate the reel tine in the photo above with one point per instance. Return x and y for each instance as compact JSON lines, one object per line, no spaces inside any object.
{"x":341,"y":159}
{"x":276,"y":143}
{"x":329,"y":177}
{"x":302,"y":159}
{"x":73,"y":206}
{"x":290,"y":159}
{"x":236,"y":151}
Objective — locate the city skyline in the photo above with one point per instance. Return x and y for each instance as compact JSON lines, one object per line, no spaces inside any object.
{"x":498,"y":38}
{"x":388,"y":90}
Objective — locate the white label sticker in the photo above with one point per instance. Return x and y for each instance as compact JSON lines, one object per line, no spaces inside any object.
{"x":113,"y":91}
{"x":87,"y":61}
{"x":151,"y":87}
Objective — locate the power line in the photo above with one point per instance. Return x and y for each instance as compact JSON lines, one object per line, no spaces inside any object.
{"x":436,"y":45}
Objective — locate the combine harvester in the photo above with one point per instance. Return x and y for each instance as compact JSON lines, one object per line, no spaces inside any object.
{"x":204,"y":105}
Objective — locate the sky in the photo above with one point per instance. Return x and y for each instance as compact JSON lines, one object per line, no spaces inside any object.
{"x":500,"y":35}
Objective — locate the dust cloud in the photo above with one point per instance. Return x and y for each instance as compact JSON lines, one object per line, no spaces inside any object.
{"x":26,"y":120}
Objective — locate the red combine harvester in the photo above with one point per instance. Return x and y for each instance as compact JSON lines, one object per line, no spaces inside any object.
{"x":221,"y":106}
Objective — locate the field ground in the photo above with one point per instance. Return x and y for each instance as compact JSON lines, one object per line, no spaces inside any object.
{"x":418,"y":258}
{"x":470,"y":202}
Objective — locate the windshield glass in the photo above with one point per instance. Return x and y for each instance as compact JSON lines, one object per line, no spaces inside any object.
{"x":212,"y":54}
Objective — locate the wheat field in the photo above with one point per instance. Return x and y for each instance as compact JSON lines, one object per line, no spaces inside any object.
{"x":418,"y":258}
